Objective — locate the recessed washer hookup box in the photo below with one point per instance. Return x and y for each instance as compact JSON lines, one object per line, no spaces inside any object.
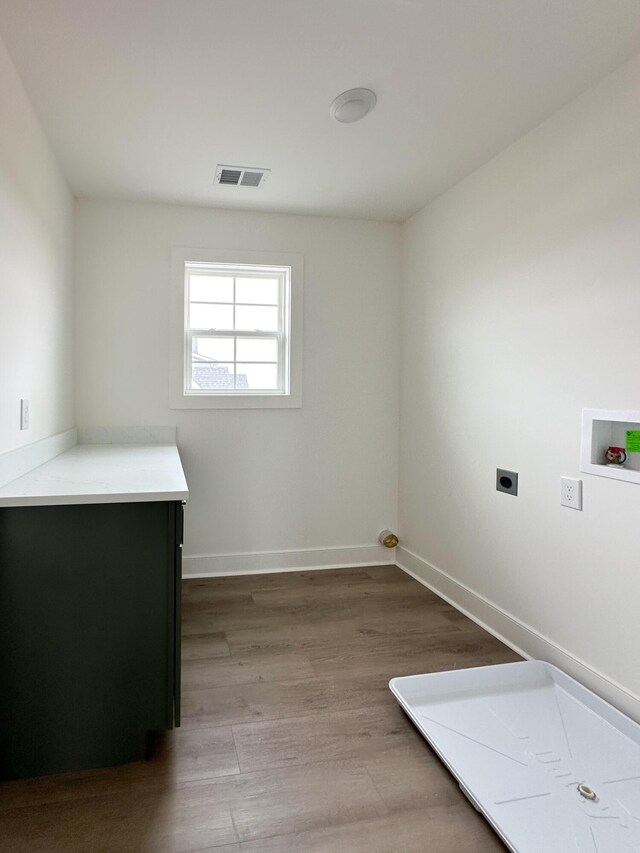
{"x":550,"y":765}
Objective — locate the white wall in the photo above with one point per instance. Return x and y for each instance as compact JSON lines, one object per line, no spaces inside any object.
{"x":521,"y":306}
{"x":36,"y":221}
{"x":323,"y":476}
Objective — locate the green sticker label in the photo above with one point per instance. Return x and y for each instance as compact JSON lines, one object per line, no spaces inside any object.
{"x":633,"y":441}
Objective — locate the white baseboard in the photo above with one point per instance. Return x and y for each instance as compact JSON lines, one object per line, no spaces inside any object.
{"x":220,"y":565}
{"x":522,"y":638}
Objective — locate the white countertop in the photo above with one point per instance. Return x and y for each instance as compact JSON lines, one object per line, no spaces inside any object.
{"x":101,"y":473}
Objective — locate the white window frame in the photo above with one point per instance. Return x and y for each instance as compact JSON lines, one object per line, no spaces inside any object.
{"x":289,"y":337}
{"x":282,"y":274}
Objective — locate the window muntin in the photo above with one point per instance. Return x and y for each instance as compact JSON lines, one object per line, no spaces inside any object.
{"x":237,"y":323}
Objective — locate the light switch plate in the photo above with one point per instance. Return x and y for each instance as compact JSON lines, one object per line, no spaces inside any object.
{"x":24,"y":414}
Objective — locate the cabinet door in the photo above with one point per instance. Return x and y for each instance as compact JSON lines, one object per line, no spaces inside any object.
{"x":87,"y":625}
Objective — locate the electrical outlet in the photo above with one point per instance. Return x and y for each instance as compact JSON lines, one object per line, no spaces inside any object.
{"x":570,"y":493}
{"x":24,"y":414}
{"x":507,"y":481}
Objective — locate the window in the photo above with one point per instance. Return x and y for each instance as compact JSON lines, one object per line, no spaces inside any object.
{"x":239,"y":323}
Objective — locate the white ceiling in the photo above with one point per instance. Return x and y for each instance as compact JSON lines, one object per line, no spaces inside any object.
{"x":142,"y":98}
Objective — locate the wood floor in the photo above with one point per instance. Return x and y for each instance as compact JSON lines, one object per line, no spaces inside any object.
{"x":291,"y":741}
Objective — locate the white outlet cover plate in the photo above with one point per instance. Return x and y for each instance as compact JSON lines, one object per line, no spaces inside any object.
{"x":571,"y":492}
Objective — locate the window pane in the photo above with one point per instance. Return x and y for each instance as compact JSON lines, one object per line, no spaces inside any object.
{"x":257,"y":377}
{"x":210,"y":288}
{"x":260,"y":319}
{"x":204,"y":316}
{"x":208,"y":349}
{"x":211,"y":376}
{"x":264,"y":291}
{"x":257,"y":349}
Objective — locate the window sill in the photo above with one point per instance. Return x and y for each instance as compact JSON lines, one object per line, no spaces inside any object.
{"x":232,"y":401}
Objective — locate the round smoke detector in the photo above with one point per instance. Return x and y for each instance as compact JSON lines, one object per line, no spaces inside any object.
{"x":352,"y":105}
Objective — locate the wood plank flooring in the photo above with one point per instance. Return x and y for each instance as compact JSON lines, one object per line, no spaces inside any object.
{"x":291,"y":741}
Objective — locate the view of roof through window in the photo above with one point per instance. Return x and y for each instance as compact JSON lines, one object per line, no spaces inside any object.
{"x":209,"y":375}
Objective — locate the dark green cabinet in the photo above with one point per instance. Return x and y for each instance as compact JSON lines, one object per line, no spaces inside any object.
{"x":90,"y":633}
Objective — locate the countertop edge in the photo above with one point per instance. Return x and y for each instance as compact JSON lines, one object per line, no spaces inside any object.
{"x":110,"y":498}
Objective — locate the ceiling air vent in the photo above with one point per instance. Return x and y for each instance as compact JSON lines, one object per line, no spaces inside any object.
{"x":241,"y":176}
